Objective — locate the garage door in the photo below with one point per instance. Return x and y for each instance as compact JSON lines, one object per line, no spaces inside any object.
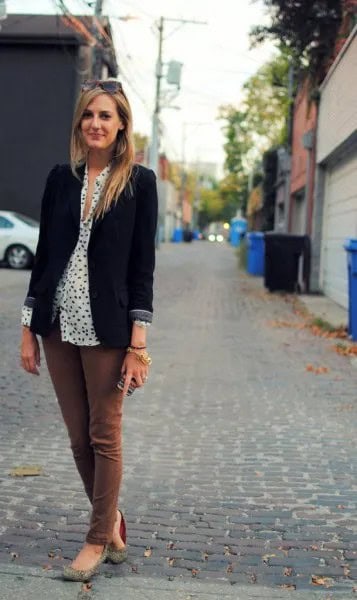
{"x":340,"y":222}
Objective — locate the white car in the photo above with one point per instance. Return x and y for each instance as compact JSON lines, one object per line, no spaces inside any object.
{"x":18,"y":239}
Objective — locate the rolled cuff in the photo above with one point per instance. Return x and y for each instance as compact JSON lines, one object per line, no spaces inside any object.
{"x":29,"y":301}
{"x":141,"y":315}
{"x":26,"y":316}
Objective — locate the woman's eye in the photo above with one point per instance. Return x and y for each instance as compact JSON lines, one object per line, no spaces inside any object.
{"x":105,"y":116}
{"x":86,"y":115}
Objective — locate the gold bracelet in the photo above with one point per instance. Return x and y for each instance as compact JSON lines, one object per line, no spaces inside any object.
{"x":143,"y":357}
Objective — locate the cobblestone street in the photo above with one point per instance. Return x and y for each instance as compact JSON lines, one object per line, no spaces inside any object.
{"x":240,"y":465}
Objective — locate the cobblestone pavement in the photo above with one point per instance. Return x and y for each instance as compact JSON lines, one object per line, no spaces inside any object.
{"x":240,"y":465}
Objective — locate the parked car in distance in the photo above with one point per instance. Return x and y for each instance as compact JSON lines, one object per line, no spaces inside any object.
{"x":18,"y":239}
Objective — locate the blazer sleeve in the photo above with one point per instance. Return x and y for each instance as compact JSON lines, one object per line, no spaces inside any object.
{"x":142,"y":253}
{"x":40,"y":260}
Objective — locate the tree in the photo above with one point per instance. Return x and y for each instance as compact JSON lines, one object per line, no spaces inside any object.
{"x":141,"y":142}
{"x":267,"y":102}
{"x":253,"y":127}
{"x":307,"y":28}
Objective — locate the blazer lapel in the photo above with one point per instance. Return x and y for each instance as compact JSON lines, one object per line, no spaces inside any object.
{"x":74,"y":195}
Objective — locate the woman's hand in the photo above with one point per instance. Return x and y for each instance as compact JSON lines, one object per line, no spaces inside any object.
{"x":30,"y":352}
{"x":132,"y":368}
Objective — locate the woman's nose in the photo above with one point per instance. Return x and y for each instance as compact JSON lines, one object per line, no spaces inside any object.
{"x":95,"y":122}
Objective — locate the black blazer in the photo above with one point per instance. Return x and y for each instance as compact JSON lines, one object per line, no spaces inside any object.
{"x":121,"y":254}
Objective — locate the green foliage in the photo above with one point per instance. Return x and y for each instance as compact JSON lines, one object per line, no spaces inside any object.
{"x":141,"y":141}
{"x":307,"y":28}
{"x":258,"y":124}
{"x":267,"y":102}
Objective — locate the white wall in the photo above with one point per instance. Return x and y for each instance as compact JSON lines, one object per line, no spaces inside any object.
{"x":338,"y":107}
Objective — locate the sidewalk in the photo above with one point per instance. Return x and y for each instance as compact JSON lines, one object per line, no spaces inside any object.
{"x":324,"y":308}
{"x":33,"y":584}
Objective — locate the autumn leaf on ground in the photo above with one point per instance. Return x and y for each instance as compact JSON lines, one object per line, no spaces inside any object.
{"x":171,"y":562}
{"x":288,"y":571}
{"x":148,"y":551}
{"x":317,"y":370}
{"x":345,"y":349}
{"x":47,"y":567}
{"x":26,"y":471}
{"x":204,"y":555}
{"x":170,"y":546}
{"x":195,"y":572}
{"x":265,"y":558}
{"x":288,"y":586}
{"x":86,"y":587}
{"x":325,"y":581}
{"x":229,"y":568}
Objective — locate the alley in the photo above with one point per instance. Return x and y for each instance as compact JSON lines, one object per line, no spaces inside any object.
{"x":240,"y":464}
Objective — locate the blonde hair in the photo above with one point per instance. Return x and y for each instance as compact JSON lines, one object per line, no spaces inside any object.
{"x":124,"y":152}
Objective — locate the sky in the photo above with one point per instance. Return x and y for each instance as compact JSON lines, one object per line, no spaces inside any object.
{"x":216,"y":58}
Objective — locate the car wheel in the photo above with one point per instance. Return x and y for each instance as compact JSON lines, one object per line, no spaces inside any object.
{"x":18,"y":257}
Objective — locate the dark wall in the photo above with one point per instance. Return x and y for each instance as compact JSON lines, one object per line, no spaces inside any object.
{"x":38,"y":90}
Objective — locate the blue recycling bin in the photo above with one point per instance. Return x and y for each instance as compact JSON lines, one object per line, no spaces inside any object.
{"x":177,"y":235}
{"x":237,"y":230}
{"x":351,"y":248}
{"x":256,"y":248}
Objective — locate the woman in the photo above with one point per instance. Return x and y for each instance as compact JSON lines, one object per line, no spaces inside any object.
{"x":90,"y":299}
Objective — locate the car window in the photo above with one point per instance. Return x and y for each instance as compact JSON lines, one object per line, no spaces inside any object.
{"x":27,"y":220}
{"x":5,"y":223}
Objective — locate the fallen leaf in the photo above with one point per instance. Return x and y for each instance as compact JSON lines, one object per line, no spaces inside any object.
{"x":265,"y":557}
{"x":26,"y":471}
{"x":288,"y":586}
{"x":195,"y":572}
{"x":205,"y":556}
{"x":228,"y":551}
{"x":259,"y":473}
{"x":171,"y":562}
{"x":346,"y":571}
{"x":47,"y":567}
{"x":325,"y":581}
{"x":170,"y":546}
{"x":229,"y":568}
{"x":86,"y":587}
{"x":134,"y":568}
{"x":288,"y":571}
{"x":148,"y":552}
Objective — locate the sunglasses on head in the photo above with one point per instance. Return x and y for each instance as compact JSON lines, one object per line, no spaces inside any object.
{"x":107,"y":86}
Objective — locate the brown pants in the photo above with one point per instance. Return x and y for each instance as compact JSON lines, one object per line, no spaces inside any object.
{"x":84,"y":379}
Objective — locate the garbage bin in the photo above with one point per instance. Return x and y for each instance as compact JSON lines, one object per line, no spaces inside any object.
{"x":287,"y":262}
{"x":351,"y":248}
{"x":255,"y":261}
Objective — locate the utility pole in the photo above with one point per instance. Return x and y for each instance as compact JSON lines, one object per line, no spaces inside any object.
{"x":155,"y":142}
{"x":154,"y":146}
{"x":97,"y":53}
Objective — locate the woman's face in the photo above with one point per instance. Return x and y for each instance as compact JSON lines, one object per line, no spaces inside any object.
{"x":100,"y":123}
